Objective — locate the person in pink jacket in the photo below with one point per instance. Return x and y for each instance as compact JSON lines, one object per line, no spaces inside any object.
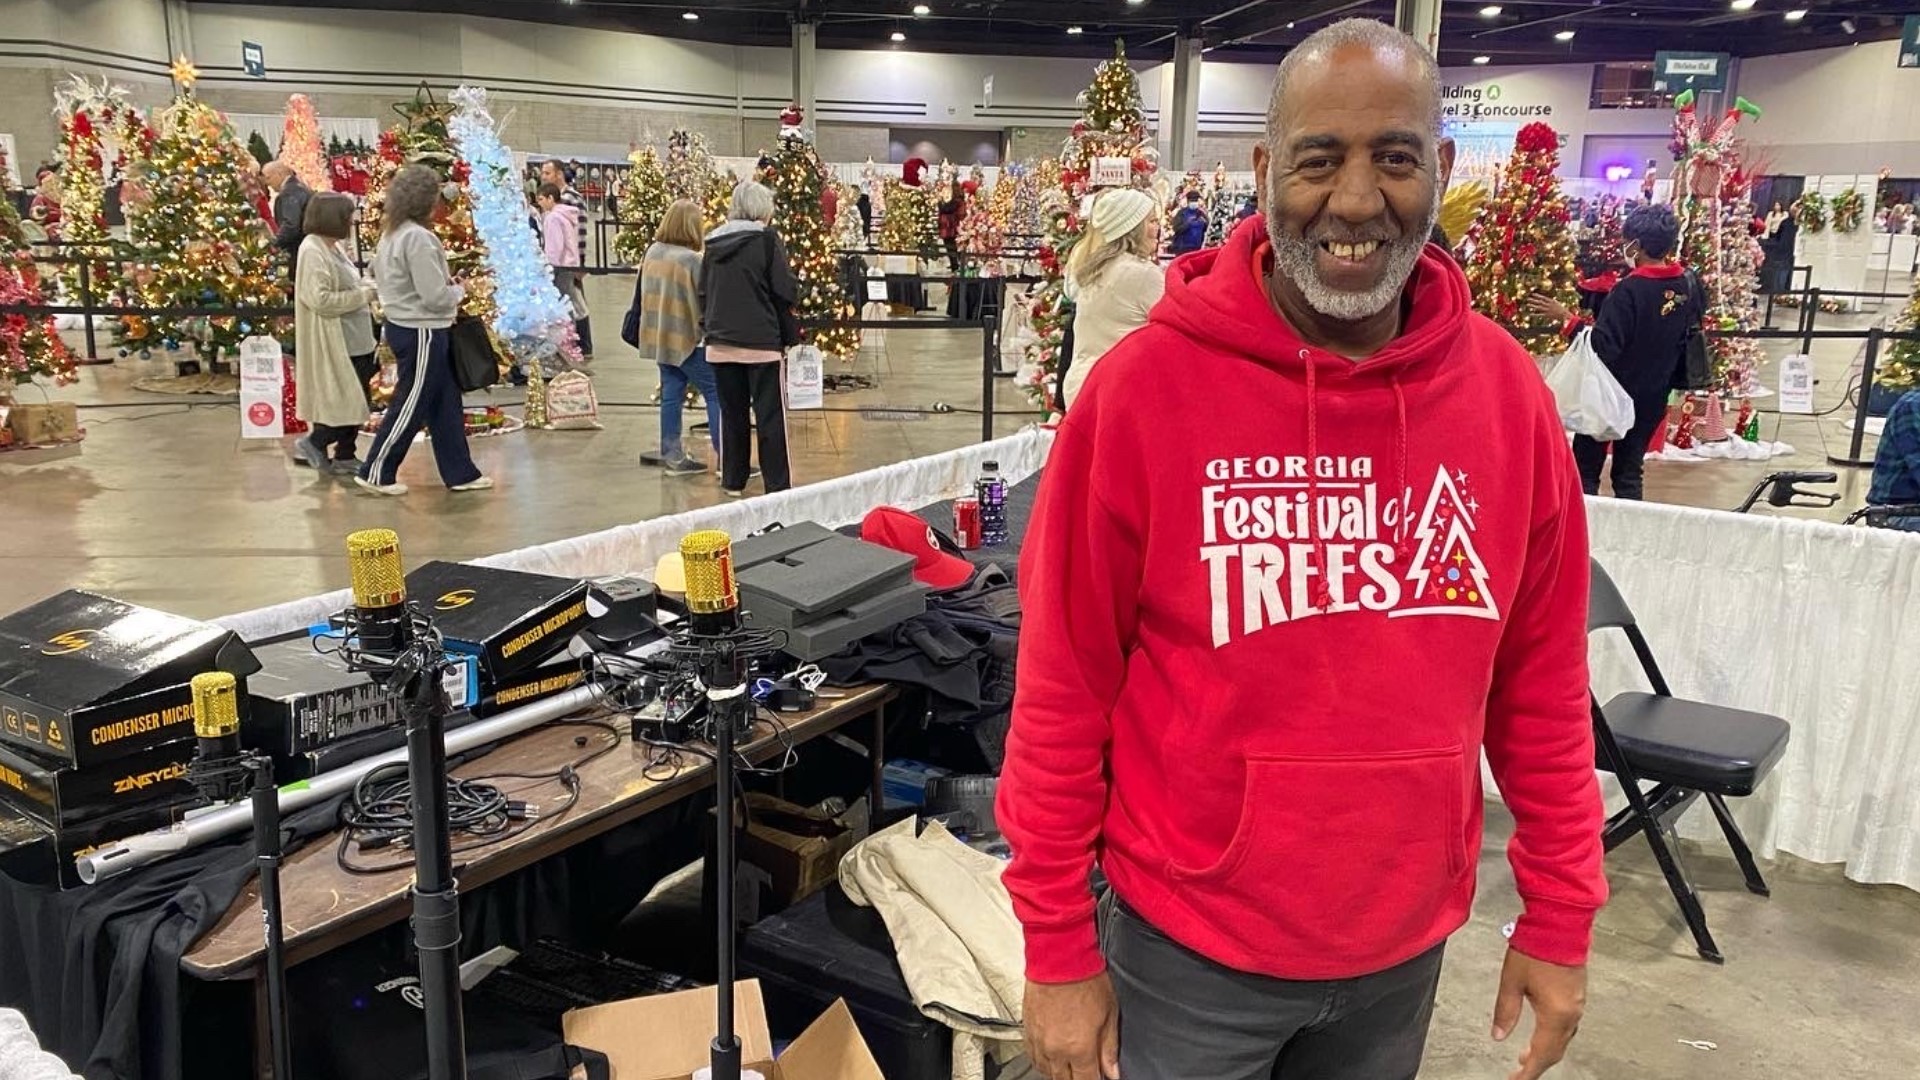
{"x":560,"y":237}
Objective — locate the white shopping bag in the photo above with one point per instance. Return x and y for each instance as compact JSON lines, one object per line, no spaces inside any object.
{"x":806,"y":378}
{"x":1591,"y":400}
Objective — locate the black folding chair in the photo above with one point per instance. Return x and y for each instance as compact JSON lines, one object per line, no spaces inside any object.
{"x":1686,"y":749}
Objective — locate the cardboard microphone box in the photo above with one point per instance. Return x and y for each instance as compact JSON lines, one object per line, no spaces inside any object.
{"x":65,"y":794}
{"x":557,"y":675}
{"x":667,"y":1037}
{"x":86,"y":680}
{"x":511,"y":621}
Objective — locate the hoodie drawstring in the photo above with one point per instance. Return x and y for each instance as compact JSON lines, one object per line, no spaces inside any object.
{"x":1403,"y":546}
{"x":1320,"y":593}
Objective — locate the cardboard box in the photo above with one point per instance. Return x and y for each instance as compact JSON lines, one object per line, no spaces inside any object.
{"x":800,"y":849}
{"x":52,"y":422}
{"x":667,"y":1037}
{"x":85,"y":679}
{"x":511,"y":621}
{"x":65,"y":795}
{"x":558,"y":675}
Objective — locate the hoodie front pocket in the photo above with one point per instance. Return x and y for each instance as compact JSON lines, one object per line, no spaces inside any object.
{"x":1346,"y":851}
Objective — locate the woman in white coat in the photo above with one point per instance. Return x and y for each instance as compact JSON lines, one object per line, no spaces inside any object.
{"x":1112,"y":279}
{"x":333,"y":340}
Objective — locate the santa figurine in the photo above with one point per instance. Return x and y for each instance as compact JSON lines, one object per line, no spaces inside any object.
{"x":1683,"y":431}
{"x":790,"y":120}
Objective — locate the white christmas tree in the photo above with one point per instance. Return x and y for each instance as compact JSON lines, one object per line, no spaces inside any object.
{"x":1448,"y":575}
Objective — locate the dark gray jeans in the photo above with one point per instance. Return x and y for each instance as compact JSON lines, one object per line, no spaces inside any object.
{"x":1184,"y":1017}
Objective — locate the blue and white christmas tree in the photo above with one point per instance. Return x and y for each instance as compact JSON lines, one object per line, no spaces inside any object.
{"x":531,"y":316}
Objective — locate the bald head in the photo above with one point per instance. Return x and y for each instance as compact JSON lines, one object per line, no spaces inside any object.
{"x":1345,"y":40}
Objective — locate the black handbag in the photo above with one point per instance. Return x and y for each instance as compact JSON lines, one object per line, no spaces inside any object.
{"x":476,"y":365}
{"x":1696,"y":361}
{"x":630,"y":326}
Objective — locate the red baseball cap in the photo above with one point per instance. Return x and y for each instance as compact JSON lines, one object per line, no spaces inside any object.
{"x":890,"y":527}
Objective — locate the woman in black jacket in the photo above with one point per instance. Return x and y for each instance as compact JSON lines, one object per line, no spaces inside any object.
{"x":747,"y":292}
{"x":1641,"y":335}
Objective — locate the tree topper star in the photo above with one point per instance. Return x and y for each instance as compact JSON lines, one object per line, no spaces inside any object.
{"x":185,"y":73}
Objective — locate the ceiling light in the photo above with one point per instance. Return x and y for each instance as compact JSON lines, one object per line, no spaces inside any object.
{"x":1490,"y":11}
{"x":922,"y":9}
{"x":1075,"y":30}
{"x":1795,"y":15}
{"x":690,"y":16}
{"x":1564,"y":35}
{"x":1744,"y":5}
{"x":1483,"y":59}
{"x":899,"y":35}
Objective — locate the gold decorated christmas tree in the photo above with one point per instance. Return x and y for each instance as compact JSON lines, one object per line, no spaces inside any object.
{"x":1901,"y":368}
{"x":1522,"y":243}
{"x":797,"y":177}
{"x":643,"y":202}
{"x":197,"y":239}
{"x":912,"y":224}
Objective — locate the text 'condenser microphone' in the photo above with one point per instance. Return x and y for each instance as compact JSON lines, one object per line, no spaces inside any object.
{"x":379,"y":592}
{"x":713,"y":596}
{"x":216,"y":715}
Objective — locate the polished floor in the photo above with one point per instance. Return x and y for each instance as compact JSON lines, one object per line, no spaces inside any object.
{"x":164,"y":504}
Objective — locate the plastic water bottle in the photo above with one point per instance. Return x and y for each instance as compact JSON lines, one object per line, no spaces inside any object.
{"x":991,"y":490}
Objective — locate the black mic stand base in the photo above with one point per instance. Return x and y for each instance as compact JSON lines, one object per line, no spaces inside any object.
{"x":725,"y":1058}
{"x":436,"y":895}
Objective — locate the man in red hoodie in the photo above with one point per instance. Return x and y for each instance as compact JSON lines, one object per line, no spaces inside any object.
{"x":1276,"y":606}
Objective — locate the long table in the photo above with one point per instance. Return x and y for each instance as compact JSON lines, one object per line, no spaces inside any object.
{"x":326,"y":907}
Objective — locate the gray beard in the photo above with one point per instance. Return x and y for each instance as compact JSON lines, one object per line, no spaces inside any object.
{"x":1295,"y":257}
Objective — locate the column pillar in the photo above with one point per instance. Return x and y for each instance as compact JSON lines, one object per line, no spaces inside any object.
{"x":806,"y":70}
{"x":1180,"y":113}
{"x":1421,"y":19}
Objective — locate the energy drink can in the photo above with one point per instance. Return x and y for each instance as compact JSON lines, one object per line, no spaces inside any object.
{"x":966,"y":522}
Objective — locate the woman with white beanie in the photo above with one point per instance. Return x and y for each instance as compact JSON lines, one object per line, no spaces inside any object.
{"x":1112,"y":278}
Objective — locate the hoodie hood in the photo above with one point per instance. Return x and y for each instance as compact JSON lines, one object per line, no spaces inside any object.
{"x":1218,"y":299}
{"x":568,"y":211}
{"x":733,"y":237}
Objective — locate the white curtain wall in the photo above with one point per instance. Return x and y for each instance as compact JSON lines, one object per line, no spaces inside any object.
{"x":1815,"y":623}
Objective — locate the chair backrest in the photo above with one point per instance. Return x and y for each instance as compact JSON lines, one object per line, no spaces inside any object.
{"x":1606,"y":608}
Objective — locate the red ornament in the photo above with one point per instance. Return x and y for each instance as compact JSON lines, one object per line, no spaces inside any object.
{"x":1537,"y":138}
{"x":792,"y":116}
{"x":1142,"y":165}
{"x":1079,"y":128}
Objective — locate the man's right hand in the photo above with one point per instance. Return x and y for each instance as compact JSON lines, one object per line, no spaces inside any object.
{"x":1073,"y":1029}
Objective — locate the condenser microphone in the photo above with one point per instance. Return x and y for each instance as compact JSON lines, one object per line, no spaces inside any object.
{"x":713,"y":595}
{"x":380,"y":620}
{"x":217,"y":771}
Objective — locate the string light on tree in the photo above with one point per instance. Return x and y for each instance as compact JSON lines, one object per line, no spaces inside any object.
{"x":100,"y":135}
{"x":1522,"y":243}
{"x":30,"y":347}
{"x":1713,"y":191}
{"x":422,"y":138}
{"x":643,"y":203}
{"x":798,"y":177}
{"x":1900,"y":369}
{"x":300,"y":146}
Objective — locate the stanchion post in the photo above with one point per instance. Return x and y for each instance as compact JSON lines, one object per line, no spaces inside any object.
{"x":1853,"y":457}
{"x":1809,"y":313}
{"x":86,"y":301}
{"x":989,"y":356}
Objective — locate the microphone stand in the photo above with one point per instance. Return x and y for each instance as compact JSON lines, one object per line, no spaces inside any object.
{"x":724,"y":710}
{"x":267,"y":853}
{"x":436,"y":893}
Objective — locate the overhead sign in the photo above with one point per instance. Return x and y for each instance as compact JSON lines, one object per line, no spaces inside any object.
{"x":254,"y":59}
{"x":1487,"y":101}
{"x":1910,"y":43}
{"x":1677,"y":71}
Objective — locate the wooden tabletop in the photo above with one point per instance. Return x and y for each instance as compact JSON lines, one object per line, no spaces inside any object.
{"x":325,"y":906}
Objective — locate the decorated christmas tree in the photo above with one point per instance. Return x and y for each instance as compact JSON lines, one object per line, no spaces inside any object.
{"x":422,"y":138}
{"x":1002,"y":197}
{"x":100,"y":133}
{"x":1522,"y":243}
{"x":1900,"y":368}
{"x":1713,"y":194}
{"x":981,"y":234}
{"x":300,"y":145}
{"x":1112,"y":131}
{"x":797,"y":177}
{"x":29,"y":345}
{"x":531,"y":318}
{"x":643,"y":202}
{"x":1222,"y":205}
{"x":692,"y":174}
{"x":719,"y":199}
{"x":196,"y":239}
{"x":912,"y":223}
{"x":848,"y":231}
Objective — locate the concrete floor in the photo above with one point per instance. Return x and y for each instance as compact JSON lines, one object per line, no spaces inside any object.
{"x":1820,"y":978}
{"x":166,"y":506}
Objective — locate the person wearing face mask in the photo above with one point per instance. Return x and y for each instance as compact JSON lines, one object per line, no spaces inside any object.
{"x":1307,"y":544}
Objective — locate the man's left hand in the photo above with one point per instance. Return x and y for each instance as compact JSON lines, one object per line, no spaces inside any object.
{"x":1558,"y":996}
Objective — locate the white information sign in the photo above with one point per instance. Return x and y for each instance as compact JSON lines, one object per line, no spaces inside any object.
{"x":263,"y":380}
{"x":1796,"y":384}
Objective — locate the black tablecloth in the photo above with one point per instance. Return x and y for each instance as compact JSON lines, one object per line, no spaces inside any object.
{"x":966,"y":299}
{"x":907,"y":289}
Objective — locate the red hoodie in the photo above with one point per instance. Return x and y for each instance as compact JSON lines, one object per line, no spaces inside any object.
{"x":1266,"y":723}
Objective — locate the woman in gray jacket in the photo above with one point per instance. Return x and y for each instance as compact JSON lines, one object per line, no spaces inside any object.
{"x":421,"y":300}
